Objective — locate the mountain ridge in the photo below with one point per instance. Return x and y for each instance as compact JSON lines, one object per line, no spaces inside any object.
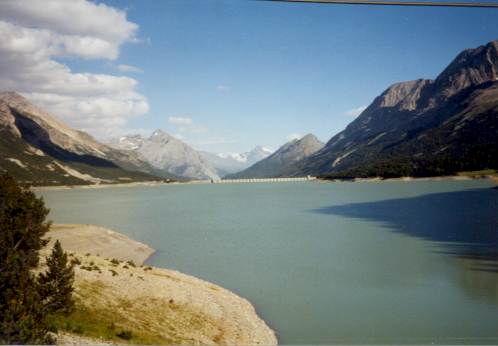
{"x":231,"y":163}
{"x":168,"y":154}
{"x":277,"y":163}
{"x":38,"y":148}
{"x":404,"y":131}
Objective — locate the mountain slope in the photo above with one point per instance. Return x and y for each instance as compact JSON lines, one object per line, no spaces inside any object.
{"x":168,"y":154}
{"x":37,"y":148}
{"x":230,"y":163}
{"x":278,"y":163}
{"x":422,"y":127}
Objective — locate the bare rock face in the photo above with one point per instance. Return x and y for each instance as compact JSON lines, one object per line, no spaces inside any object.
{"x":471,"y":67}
{"x":403,"y":96}
{"x":278,"y":163}
{"x":168,"y":154}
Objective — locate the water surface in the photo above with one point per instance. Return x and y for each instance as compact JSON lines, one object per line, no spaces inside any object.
{"x":324,"y":263}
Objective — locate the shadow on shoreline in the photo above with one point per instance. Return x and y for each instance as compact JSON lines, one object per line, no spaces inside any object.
{"x":464,"y":222}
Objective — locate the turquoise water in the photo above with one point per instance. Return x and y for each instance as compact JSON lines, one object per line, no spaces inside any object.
{"x":324,"y":263}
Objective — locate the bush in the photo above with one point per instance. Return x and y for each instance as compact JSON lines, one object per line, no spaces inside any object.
{"x":125,"y":334}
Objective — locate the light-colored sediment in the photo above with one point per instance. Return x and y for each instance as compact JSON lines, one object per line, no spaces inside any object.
{"x":99,"y":241}
{"x":158,"y":305}
{"x":64,"y":338}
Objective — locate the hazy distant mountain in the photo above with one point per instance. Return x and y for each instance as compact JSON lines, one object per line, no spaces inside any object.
{"x":422,"y":127}
{"x":279,"y":162}
{"x":168,"y":154}
{"x":37,"y":148}
{"x":229,"y":163}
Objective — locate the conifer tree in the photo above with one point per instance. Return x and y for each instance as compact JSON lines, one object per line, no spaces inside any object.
{"x":56,"y":284}
{"x":22,"y":226}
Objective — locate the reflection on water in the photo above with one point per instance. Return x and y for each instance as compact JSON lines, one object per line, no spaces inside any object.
{"x":463,"y":223}
{"x":475,"y":278}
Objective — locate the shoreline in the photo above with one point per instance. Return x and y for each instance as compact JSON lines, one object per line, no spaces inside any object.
{"x":493,"y":178}
{"x":114,"y":287}
{"x":411,"y":179}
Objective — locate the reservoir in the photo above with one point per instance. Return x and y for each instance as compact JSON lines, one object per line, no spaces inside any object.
{"x":324,"y":263}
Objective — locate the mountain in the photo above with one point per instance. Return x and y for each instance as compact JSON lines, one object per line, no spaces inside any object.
{"x":229,"y":163}
{"x":37,"y":148}
{"x":421,"y":127}
{"x":168,"y":154}
{"x":281,"y":160}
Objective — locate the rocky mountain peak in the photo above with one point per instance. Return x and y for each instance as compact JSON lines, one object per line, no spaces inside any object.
{"x":403,"y":96}
{"x":471,"y":67}
{"x":309,"y":138}
{"x":277,"y":163}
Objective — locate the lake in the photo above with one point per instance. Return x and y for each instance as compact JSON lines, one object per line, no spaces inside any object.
{"x":324,"y":263}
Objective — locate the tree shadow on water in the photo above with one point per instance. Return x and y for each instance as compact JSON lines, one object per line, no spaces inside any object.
{"x":464,"y":222}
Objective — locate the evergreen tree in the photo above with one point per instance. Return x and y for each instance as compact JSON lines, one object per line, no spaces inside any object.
{"x":56,"y":284}
{"x":22,"y":226}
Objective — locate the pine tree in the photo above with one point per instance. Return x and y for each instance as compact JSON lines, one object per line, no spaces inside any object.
{"x":22,"y":226}
{"x":56,"y":284}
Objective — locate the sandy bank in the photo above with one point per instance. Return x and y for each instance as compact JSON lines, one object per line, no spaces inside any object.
{"x":159,"y":306}
{"x":99,"y":241}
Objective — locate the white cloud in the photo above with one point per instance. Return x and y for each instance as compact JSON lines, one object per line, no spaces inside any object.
{"x":35,"y":33}
{"x":223,"y":88}
{"x":180,"y":121}
{"x":356,"y":111}
{"x":79,"y":18}
{"x":294,"y":136}
{"x":186,"y":125}
{"x":129,"y":68}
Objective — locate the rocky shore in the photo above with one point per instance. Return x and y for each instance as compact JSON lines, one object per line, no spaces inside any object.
{"x":116,"y":293}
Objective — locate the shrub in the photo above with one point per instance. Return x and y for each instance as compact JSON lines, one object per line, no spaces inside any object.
{"x":125,"y":334}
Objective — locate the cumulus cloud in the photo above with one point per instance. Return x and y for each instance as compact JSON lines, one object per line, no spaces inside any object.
{"x":35,"y":34}
{"x":294,"y":136}
{"x":129,"y":68}
{"x":356,"y":111}
{"x":180,"y":121}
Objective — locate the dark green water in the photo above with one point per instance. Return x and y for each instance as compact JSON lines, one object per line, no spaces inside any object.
{"x":324,"y":263}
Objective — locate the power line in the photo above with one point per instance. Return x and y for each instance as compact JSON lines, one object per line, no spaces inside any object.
{"x":397,"y":3}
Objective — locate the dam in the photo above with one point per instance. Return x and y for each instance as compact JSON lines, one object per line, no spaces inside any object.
{"x":263,"y":180}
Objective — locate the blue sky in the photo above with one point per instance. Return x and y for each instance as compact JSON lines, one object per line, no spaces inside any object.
{"x":229,"y":75}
